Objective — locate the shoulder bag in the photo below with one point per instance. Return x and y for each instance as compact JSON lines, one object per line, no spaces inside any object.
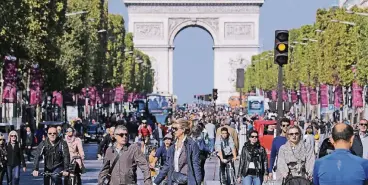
{"x":107,"y":177}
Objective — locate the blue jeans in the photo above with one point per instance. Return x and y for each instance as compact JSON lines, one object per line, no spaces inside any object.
{"x":251,"y":180}
{"x":13,"y":175}
{"x":211,"y":144}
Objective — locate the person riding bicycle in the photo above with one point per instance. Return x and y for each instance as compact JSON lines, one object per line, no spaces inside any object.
{"x":226,"y":152}
{"x":75,"y":150}
{"x":56,"y":157}
{"x":145,"y":131}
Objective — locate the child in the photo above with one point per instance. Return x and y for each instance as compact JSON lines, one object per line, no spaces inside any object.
{"x":151,"y":159}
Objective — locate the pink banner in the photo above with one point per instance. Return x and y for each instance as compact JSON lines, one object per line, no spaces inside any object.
{"x":9,"y":94}
{"x":304,"y":93}
{"x":57,"y":98}
{"x":313,"y":96}
{"x":357,"y":95}
{"x":294,"y":96}
{"x":274,"y":95}
{"x":9,"y":76}
{"x":324,"y":95}
{"x":119,"y":94}
{"x":338,"y":96}
{"x":36,"y":96}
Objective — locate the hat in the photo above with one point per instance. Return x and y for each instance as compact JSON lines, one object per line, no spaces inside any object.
{"x":168,"y":136}
{"x":144,"y":121}
{"x":69,"y":130}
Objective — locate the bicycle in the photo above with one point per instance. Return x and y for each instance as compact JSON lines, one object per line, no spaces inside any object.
{"x":74,"y":178}
{"x":229,"y":171}
{"x":49,"y":176}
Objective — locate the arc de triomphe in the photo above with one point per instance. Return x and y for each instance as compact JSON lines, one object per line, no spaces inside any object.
{"x":233,"y":25}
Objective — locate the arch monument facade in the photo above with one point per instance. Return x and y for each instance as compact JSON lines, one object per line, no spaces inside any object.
{"x":233,"y":25}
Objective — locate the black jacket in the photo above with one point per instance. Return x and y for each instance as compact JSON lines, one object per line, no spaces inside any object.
{"x":15,"y":155}
{"x":327,"y":147}
{"x":245,"y":157}
{"x":102,"y":147}
{"x":54,"y":156}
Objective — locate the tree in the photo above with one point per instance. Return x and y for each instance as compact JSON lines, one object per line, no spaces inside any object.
{"x":115,"y":50}
{"x":128,"y":65}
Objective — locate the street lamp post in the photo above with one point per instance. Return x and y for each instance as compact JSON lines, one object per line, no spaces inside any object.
{"x":86,"y":104}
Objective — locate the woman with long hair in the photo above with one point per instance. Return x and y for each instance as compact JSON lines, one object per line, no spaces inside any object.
{"x":253,"y":162}
{"x":295,"y":158}
{"x":182,"y":165}
{"x":15,"y":158}
{"x":75,"y":150}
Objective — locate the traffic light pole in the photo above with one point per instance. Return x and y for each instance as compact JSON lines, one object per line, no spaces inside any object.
{"x":280,"y":111}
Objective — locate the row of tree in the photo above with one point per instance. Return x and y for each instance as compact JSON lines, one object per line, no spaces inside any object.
{"x":75,"y":43}
{"x":332,"y":51}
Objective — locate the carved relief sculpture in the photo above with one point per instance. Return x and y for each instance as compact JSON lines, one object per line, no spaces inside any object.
{"x":212,"y":22}
{"x":234,"y":64}
{"x":150,"y":30}
{"x":239,"y":30}
{"x":174,"y":22}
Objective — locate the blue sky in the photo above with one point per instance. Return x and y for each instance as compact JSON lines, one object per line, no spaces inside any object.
{"x":193,"y":46}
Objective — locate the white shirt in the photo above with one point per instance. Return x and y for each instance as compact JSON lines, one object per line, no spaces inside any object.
{"x":177,"y":154}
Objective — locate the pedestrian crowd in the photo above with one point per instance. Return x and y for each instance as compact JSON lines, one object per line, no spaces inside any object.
{"x":175,"y":152}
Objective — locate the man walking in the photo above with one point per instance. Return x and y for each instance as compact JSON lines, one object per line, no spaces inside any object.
{"x":121,"y":160}
{"x":341,"y":166}
{"x":211,"y":130}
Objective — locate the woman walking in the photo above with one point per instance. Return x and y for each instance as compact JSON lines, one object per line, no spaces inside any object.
{"x":75,"y":150}
{"x":295,"y":158}
{"x":253,"y":162}
{"x":15,"y":158}
{"x":182,"y":164}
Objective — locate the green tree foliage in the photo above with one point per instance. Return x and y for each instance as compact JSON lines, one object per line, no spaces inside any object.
{"x":115,"y":50}
{"x":129,"y":64}
{"x":326,"y":56}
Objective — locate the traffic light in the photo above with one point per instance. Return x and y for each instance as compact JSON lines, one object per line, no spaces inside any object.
{"x":281,"y":47}
{"x":214,"y":94}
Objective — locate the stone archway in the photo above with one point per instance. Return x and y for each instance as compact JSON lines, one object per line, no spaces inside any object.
{"x":233,"y":25}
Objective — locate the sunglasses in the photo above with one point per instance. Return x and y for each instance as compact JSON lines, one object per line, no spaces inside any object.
{"x":294,"y":134}
{"x":285,"y":125}
{"x":52,"y":133}
{"x":13,"y":136}
{"x":253,"y":136}
{"x":2,"y":139}
{"x":363,"y":124}
{"x":122,"y":134}
{"x":175,"y":129}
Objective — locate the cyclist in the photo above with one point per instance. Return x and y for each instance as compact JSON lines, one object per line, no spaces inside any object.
{"x":75,"y":150}
{"x":145,"y":131}
{"x":56,"y":157}
{"x":226,"y":152}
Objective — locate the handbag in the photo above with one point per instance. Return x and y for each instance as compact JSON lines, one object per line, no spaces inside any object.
{"x":107,"y":178}
{"x":179,"y":178}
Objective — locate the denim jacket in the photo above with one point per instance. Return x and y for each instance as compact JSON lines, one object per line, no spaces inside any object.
{"x":194,"y":169}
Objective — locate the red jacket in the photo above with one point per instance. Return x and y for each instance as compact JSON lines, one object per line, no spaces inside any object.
{"x":145,"y":131}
